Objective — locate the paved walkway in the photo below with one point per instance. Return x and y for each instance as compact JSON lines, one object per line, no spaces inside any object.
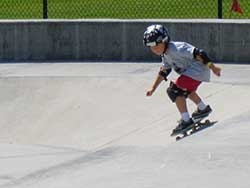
{"x":90,"y":125}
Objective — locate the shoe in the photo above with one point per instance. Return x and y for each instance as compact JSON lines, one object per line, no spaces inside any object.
{"x":182,"y":126}
{"x":202,"y":113}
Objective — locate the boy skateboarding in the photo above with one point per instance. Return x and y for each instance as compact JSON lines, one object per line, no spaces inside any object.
{"x":193,"y":66}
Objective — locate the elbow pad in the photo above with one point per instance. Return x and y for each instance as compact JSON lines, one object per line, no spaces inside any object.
{"x":202,"y":54}
{"x":165,"y":73}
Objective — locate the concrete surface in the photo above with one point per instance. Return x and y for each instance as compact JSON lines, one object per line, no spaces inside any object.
{"x":117,"y":40}
{"x":90,"y":125}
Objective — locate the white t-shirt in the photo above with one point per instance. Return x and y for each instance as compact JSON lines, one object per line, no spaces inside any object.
{"x":179,"y":56}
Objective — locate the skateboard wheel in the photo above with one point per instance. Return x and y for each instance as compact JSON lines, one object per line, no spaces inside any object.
{"x":207,"y":121}
{"x":178,"y":138}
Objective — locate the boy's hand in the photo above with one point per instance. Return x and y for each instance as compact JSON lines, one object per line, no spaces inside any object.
{"x":158,"y":80}
{"x":216,"y":70}
{"x":149,"y":93}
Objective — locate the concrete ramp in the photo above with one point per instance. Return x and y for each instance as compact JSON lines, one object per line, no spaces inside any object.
{"x":90,"y":125}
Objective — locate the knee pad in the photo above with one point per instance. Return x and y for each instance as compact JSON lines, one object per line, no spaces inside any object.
{"x":173,"y":92}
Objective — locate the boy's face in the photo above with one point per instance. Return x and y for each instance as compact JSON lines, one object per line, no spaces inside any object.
{"x":158,"y":49}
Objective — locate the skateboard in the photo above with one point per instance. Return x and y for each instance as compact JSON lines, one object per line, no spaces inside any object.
{"x":198,"y":125}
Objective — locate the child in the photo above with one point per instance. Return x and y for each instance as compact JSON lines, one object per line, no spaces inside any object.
{"x":192,"y":64}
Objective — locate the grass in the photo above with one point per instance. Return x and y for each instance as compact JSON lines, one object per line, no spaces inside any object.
{"x":124,"y":9}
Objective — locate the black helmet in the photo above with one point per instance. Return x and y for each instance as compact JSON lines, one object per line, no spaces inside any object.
{"x":155,"y":34}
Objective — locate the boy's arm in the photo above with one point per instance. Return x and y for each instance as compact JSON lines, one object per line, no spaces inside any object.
{"x":202,"y":56}
{"x":162,"y":75}
{"x":157,"y":82}
{"x":216,"y":70}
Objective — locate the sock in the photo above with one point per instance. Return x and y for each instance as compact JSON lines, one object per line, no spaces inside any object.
{"x":201,"y":105}
{"x":185,"y":116}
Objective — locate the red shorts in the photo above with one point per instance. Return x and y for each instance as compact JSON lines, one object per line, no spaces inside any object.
{"x":187,"y":83}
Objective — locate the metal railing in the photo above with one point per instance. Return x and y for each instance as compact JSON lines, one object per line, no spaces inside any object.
{"x":123,"y":9}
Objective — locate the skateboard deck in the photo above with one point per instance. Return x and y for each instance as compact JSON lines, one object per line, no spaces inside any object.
{"x":198,"y":125}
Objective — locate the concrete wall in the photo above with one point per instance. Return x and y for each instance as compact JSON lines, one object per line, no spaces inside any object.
{"x":117,"y":40}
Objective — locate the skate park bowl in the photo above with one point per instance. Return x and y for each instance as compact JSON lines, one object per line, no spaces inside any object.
{"x":90,"y":125}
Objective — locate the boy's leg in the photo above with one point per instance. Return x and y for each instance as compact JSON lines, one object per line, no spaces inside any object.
{"x":182,"y":107}
{"x":181,"y":104}
{"x":190,"y":85}
{"x":193,"y":96}
{"x":178,"y":96}
{"x":202,"y":108}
